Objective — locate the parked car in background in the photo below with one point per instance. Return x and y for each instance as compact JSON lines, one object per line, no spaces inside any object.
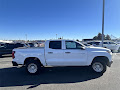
{"x":118,"y":42}
{"x":114,"y":47}
{"x":119,"y":46}
{"x":29,"y":45}
{"x":86,"y":44}
{"x":39,"y":44}
{"x":6,"y":48}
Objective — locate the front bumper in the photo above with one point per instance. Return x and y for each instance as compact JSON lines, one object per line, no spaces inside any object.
{"x":14,"y":63}
{"x":109,"y":63}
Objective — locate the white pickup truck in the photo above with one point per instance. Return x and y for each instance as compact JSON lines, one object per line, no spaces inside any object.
{"x":62,"y":53}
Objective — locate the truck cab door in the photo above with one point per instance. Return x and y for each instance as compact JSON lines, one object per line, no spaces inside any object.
{"x":54,"y":53}
{"x":74,"y":54}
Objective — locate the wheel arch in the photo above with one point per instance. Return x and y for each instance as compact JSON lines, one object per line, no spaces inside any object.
{"x":103,"y":58}
{"x":32,"y":58}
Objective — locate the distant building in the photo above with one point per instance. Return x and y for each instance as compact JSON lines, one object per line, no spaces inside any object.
{"x":5,"y":41}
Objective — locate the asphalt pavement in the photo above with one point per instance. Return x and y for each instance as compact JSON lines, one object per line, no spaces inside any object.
{"x":59,"y":78}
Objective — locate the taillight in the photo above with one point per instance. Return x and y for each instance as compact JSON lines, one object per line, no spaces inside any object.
{"x":13,"y":54}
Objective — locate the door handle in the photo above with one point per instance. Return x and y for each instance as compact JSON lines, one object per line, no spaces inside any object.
{"x":82,"y":53}
{"x":67,"y":52}
{"x":50,"y":52}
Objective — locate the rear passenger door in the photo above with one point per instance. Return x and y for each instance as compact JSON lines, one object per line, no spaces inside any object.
{"x":54,"y":53}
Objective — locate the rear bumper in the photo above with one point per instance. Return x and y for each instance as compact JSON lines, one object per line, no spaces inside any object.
{"x":14,"y":63}
{"x":109,"y":64}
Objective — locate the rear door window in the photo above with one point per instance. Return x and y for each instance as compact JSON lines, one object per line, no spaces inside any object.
{"x":55,"y":45}
{"x":90,"y":43}
{"x":105,"y":42}
{"x":96,"y":43}
{"x":112,"y":43}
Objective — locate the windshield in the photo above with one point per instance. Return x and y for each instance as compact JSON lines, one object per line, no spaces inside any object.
{"x":31,"y":44}
{"x":97,"y":43}
{"x":82,"y":44}
{"x":112,"y":43}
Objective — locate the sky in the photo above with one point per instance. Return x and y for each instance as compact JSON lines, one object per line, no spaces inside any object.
{"x":70,"y":19}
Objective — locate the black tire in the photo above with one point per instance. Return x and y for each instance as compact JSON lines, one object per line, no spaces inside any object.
{"x":35,"y":64}
{"x":101,"y":64}
{"x":0,"y":56}
{"x":112,"y":51}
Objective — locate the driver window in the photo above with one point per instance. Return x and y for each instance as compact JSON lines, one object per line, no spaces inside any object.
{"x":72,"y":45}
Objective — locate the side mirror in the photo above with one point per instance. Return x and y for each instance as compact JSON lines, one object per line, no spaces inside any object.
{"x":82,"y":48}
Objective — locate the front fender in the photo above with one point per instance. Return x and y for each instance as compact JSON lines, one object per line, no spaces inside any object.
{"x":94,"y":54}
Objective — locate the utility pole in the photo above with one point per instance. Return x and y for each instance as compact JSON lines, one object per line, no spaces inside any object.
{"x":103,"y":22}
{"x":56,"y":36}
{"x":26,"y":37}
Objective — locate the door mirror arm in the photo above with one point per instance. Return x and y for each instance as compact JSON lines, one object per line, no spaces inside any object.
{"x":82,"y":48}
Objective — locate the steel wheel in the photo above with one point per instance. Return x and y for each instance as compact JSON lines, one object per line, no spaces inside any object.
{"x":97,"y":67}
{"x":32,"y":68}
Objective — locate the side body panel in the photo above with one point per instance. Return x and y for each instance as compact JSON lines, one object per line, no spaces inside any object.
{"x":54,"y":57}
{"x":22,"y":54}
{"x":59,"y":57}
{"x":93,"y":54}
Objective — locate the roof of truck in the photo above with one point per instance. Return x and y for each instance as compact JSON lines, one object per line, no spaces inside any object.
{"x":59,"y":40}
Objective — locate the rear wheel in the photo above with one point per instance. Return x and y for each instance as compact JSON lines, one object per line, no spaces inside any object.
{"x":33,"y":67}
{"x":99,"y":66}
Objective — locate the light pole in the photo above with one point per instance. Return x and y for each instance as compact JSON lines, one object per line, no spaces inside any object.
{"x":26,"y":37}
{"x":56,"y":36}
{"x":103,"y":22}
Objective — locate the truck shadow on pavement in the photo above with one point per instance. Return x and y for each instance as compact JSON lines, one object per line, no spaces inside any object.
{"x":17,"y":76}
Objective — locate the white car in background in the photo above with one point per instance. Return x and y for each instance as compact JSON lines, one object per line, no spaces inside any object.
{"x":86,"y":44}
{"x":118,"y":43}
{"x":114,"y":47}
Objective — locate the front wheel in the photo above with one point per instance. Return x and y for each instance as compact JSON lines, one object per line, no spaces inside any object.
{"x":99,"y":66}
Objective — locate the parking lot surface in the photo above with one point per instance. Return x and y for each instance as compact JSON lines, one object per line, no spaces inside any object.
{"x":59,"y":78}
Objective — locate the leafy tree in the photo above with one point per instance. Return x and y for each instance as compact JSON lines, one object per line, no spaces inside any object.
{"x":107,"y":37}
{"x":95,"y":37}
{"x":60,"y":38}
{"x":77,"y":40}
{"x":99,"y":37}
